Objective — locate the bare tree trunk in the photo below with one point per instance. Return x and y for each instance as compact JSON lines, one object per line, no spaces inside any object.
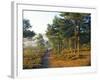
{"x":77,"y":29}
{"x":78,"y":52}
{"x":74,"y":43}
{"x":70,"y":45}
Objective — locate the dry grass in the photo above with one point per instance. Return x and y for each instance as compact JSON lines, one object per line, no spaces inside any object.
{"x":84,"y":59}
{"x":32,"y":58}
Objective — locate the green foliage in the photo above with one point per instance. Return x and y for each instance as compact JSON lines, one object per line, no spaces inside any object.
{"x":26,"y":24}
{"x":40,"y":41}
{"x":28,"y":33}
{"x":26,"y":27}
{"x":67,"y":27}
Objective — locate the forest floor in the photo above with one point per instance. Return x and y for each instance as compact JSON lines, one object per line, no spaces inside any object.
{"x":83,"y":59}
{"x":47,"y":59}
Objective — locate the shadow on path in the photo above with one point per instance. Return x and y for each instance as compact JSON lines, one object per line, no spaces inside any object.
{"x":45,"y":59}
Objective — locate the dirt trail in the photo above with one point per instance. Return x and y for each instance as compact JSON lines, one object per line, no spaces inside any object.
{"x":45,"y":59}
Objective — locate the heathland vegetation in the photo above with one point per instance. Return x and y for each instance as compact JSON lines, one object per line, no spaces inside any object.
{"x":68,"y":44}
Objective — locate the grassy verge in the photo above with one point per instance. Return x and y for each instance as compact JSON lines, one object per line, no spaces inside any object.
{"x":32,"y":57}
{"x":68,"y":59}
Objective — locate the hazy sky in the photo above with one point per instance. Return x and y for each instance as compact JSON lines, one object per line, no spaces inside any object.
{"x":39,"y":20}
